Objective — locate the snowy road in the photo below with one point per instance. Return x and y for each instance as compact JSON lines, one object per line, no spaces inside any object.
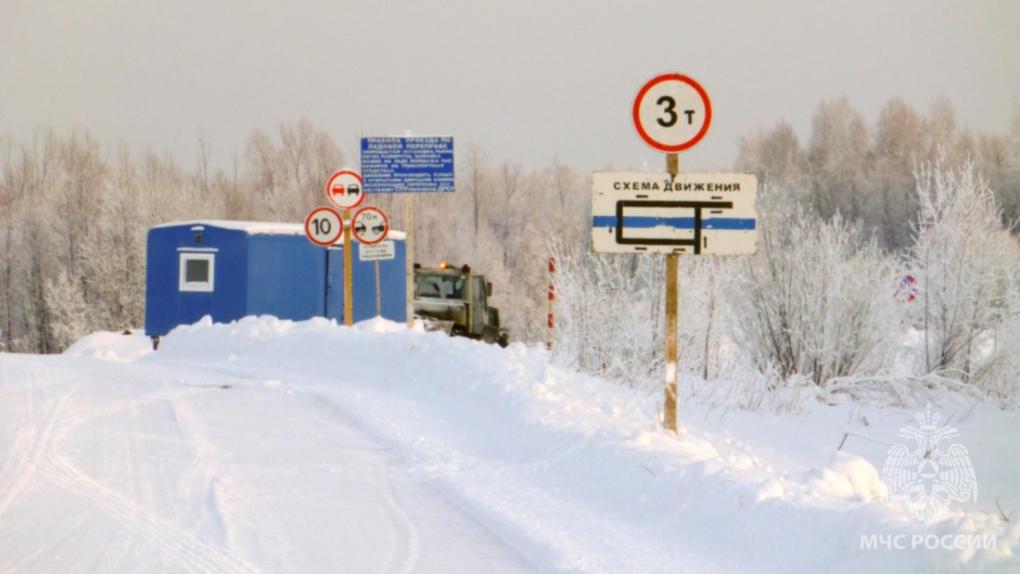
{"x":123,"y":467}
{"x":275,"y":446}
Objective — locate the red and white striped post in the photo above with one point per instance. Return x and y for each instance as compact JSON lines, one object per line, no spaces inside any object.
{"x":551,"y":318}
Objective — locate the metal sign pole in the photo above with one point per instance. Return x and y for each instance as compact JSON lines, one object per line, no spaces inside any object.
{"x":378,"y":292}
{"x":344,"y":190}
{"x":672,"y":313}
{"x":328,"y":287}
{"x":409,"y":259}
{"x":348,"y":273}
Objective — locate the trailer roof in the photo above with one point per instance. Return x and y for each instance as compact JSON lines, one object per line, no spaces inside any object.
{"x":257,"y":227}
{"x":249,"y":227}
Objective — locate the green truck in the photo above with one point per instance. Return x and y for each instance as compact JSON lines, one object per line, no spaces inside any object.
{"x":455,"y":300}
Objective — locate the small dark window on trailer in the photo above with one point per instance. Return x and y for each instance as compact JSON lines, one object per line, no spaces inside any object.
{"x":197,"y":272}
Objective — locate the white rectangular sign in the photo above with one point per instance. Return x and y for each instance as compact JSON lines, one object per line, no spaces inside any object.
{"x":377,"y":252}
{"x":696,"y":213}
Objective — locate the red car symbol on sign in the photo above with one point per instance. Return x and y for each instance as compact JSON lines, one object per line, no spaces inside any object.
{"x":344,"y":189}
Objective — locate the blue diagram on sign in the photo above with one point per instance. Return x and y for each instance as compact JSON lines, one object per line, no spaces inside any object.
{"x":414,"y":164}
{"x":638,"y":222}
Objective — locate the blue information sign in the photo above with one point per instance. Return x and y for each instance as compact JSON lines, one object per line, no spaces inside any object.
{"x":407,"y":164}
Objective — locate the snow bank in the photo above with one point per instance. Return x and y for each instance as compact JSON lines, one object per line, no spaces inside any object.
{"x":850,"y":477}
{"x":110,"y":346}
{"x":573,"y":471}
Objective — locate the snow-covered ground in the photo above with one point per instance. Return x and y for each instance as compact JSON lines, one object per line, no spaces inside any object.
{"x":274,"y":446}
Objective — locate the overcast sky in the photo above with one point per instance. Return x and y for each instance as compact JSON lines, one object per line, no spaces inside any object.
{"x":527,"y":80}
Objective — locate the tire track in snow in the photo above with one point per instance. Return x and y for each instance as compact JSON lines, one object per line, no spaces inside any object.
{"x":30,"y":446}
{"x":407,"y":547}
{"x":408,"y":543}
{"x":200,"y":477}
{"x":68,"y":536}
{"x":193,"y":554}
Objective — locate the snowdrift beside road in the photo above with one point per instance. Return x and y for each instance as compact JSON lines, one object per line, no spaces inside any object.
{"x":574,"y":472}
{"x":110,"y":346}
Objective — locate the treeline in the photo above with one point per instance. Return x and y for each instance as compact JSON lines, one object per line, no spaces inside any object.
{"x":821,"y":311}
{"x":74,"y":217}
{"x":888,"y":270}
{"x":865,"y":171}
{"x":74,"y":214}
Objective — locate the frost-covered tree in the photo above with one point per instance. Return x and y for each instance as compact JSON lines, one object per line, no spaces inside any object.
{"x":289,"y":175}
{"x":969,"y":271}
{"x":609,"y":313}
{"x":837,"y":156}
{"x":475,"y":184}
{"x":67,"y":310}
{"x":707,"y":293}
{"x":775,"y":155}
{"x":510,"y":216}
{"x":899,"y":139}
{"x":817,"y":298}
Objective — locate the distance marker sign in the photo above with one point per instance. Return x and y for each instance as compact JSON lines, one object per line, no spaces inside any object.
{"x":323,"y":226}
{"x":370,"y":225}
{"x":345,"y":189}
{"x":672,"y":112}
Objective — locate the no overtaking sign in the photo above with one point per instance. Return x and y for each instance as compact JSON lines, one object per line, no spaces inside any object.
{"x":344,"y":189}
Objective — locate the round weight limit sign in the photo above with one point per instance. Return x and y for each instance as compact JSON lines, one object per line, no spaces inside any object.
{"x":672,"y":112}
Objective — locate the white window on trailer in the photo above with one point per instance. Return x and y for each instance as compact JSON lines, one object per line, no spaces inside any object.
{"x":197,"y":272}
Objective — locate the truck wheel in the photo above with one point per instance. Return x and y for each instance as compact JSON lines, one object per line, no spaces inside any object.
{"x":490,"y":335}
{"x":503,"y":340}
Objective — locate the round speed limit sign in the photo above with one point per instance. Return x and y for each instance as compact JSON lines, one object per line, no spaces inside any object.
{"x":672,"y":112}
{"x":323,"y":226}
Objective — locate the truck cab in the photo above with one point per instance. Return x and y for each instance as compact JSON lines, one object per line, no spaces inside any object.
{"x":456,"y":300}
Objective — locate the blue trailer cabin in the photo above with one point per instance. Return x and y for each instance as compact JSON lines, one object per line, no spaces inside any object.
{"x":230,"y":269}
